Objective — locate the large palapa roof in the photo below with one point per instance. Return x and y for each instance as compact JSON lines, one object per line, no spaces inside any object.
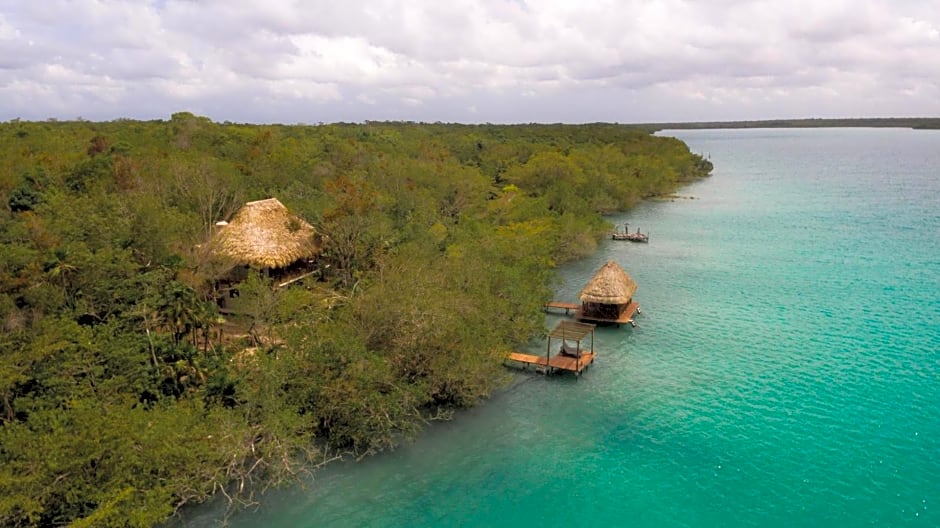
{"x":610,"y":285}
{"x":264,"y":234}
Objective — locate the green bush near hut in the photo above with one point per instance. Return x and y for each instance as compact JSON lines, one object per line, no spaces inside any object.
{"x":123,"y":393}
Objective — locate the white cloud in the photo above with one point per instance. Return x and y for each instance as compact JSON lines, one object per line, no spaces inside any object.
{"x":7,"y":31}
{"x":551,"y":60}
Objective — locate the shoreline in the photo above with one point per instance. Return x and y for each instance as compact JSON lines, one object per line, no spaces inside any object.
{"x":443,"y":241}
{"x":916,"y":123}
{"x":516,"y":380}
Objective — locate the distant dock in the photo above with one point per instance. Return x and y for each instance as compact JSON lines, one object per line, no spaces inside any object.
{"x":631,"y":237}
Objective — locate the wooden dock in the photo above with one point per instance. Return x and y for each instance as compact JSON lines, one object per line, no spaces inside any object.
{"x":626,"y":316}
{"x":632,"y":237}
{"x":557,"y":362}
{"x":566,"y":306}
{"x":570,"y":358}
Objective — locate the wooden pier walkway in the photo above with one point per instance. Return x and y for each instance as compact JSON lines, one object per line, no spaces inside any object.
{"x":571,"y":358}
{"x":558,"y":362}
{"x":626,"y":316}
{"x":566,"y":306}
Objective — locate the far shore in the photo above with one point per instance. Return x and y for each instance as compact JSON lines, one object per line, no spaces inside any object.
{"x":863,"y":122}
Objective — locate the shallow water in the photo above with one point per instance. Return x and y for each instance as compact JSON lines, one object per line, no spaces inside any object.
{"x":785,"y":370}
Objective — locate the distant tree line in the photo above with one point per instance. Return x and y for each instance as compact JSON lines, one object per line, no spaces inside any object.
{"x":120,"y":398}
{"x":860,"y":122}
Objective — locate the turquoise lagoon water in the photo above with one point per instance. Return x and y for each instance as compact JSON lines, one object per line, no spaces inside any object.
{"x":785,"y":370}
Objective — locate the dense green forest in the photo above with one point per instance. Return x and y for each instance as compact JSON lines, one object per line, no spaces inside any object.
{"x":122,"y":398}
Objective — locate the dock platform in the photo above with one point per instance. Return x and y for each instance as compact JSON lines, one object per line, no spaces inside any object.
{"x":557,"y":362}
{"x":559,"y":305}
{"x":568,"y":357}
{"x":626,"y":316}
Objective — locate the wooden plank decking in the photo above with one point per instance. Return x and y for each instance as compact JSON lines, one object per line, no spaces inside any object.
{"x":566,"y":306}
{"x":557,"y":362}
{"x":626,"y":317}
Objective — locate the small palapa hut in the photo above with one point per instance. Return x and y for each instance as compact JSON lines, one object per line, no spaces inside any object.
{"x":264,"y":235}
{"x":608,"y":296}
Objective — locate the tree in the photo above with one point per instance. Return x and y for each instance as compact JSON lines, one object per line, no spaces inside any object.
{"x":118,"y":402}
{"x":208,"y":188}
{"x":29,"y":192}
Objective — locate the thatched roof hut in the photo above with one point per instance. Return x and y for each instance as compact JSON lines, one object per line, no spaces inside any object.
{"x":609,"y":286}
{"x":264,"y":234}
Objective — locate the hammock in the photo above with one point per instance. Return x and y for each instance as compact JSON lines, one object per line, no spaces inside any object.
{"x":570,"y":350}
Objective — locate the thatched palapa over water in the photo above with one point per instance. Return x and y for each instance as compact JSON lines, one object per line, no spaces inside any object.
{"x":264,"y":234}
{"x":610,"y":285}
{"x":608,"y":293}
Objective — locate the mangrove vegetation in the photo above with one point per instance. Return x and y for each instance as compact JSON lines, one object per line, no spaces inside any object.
{"x":127,"y":391}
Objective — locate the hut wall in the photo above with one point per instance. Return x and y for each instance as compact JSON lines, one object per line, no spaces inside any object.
{"x":603,"y":311}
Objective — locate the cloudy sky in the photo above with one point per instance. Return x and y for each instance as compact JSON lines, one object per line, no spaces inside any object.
{"x":497,"y":61}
